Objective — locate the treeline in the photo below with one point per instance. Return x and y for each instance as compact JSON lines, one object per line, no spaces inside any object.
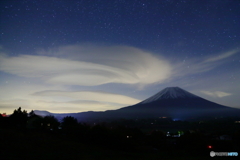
{"x":118,"y":134}
{"x":21,"y":119}
{"x":69,"y":128}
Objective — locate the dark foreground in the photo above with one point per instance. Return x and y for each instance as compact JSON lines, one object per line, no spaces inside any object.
{"x":25,"y":144}
{"x":26,"y":136}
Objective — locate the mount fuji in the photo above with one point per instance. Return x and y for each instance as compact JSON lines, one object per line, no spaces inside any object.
{"x":176,"y":103}
{"x":171,"y":102}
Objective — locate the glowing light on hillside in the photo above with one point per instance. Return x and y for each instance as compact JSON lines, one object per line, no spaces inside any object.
{"x":210,"y":147}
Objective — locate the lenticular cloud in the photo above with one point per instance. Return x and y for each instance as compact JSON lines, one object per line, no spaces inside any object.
{"x":90,"y":66}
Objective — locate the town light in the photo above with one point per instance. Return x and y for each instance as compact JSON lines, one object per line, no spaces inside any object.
{"x":210,"y":147}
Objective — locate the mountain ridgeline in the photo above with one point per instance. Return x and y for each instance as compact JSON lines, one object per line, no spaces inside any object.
{"x":172,"y":102}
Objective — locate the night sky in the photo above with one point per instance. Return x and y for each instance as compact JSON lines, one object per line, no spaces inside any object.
{"x":96,"y":55}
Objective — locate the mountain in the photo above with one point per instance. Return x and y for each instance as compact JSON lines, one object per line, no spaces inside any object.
{"x":59,"y":116}
{"x":43,"y":113}
{"x":171,"y":102}
{"x":170,"y":93}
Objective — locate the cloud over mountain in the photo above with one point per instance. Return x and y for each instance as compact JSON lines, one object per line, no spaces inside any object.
{"x":90,"y":66}
{"x":219,"y":94}
{"x":79,"y":77}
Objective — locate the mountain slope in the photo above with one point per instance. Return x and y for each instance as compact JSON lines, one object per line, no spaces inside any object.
{"x":177,"y":103}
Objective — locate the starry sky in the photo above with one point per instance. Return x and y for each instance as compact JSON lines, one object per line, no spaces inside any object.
{"x":67,"y":56}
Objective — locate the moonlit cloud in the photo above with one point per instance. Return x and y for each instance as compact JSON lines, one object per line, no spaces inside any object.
{"x":30,"y":96}
{"x":199,"y":65}
{"x":45,"y":81}
{"x":219,"y":94}
{"x":222,"y":56}
{"x":69,"y":101}
{"x":42,"y":81}
{"x":191,"y":67}
{"x":77,"y":106}
{"x":93,"y":96}
{"x":118,"y":64}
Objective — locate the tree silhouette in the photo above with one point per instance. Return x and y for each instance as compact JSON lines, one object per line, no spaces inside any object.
{"x":69,"y":122}
{"x":1,"y":120}
{"x":19,"y":118}
{"x":34,"y":121}
{"x":70,"y":125}
{"x":50,"y":123}
{"x":31,"y":114}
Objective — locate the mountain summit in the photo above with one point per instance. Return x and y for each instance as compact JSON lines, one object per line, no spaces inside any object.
{"x":170,"y":93}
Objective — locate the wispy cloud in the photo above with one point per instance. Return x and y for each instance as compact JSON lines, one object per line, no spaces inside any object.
{"x":30,"y":96}
{"x":67,"y":101}
{"x":222,"y":56}
{"x":219,"y":94}
{"x":190,"y":67}
{"x":199,"y":65}
{"x":83,"y":65}
{"x":90,"y":66}
{"x":77,"y":106}
{"x":90,"y":96}
{"x":45,"y":81}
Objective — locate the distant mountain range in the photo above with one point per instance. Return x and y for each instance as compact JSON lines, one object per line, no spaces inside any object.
{"x":171,"y":102}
